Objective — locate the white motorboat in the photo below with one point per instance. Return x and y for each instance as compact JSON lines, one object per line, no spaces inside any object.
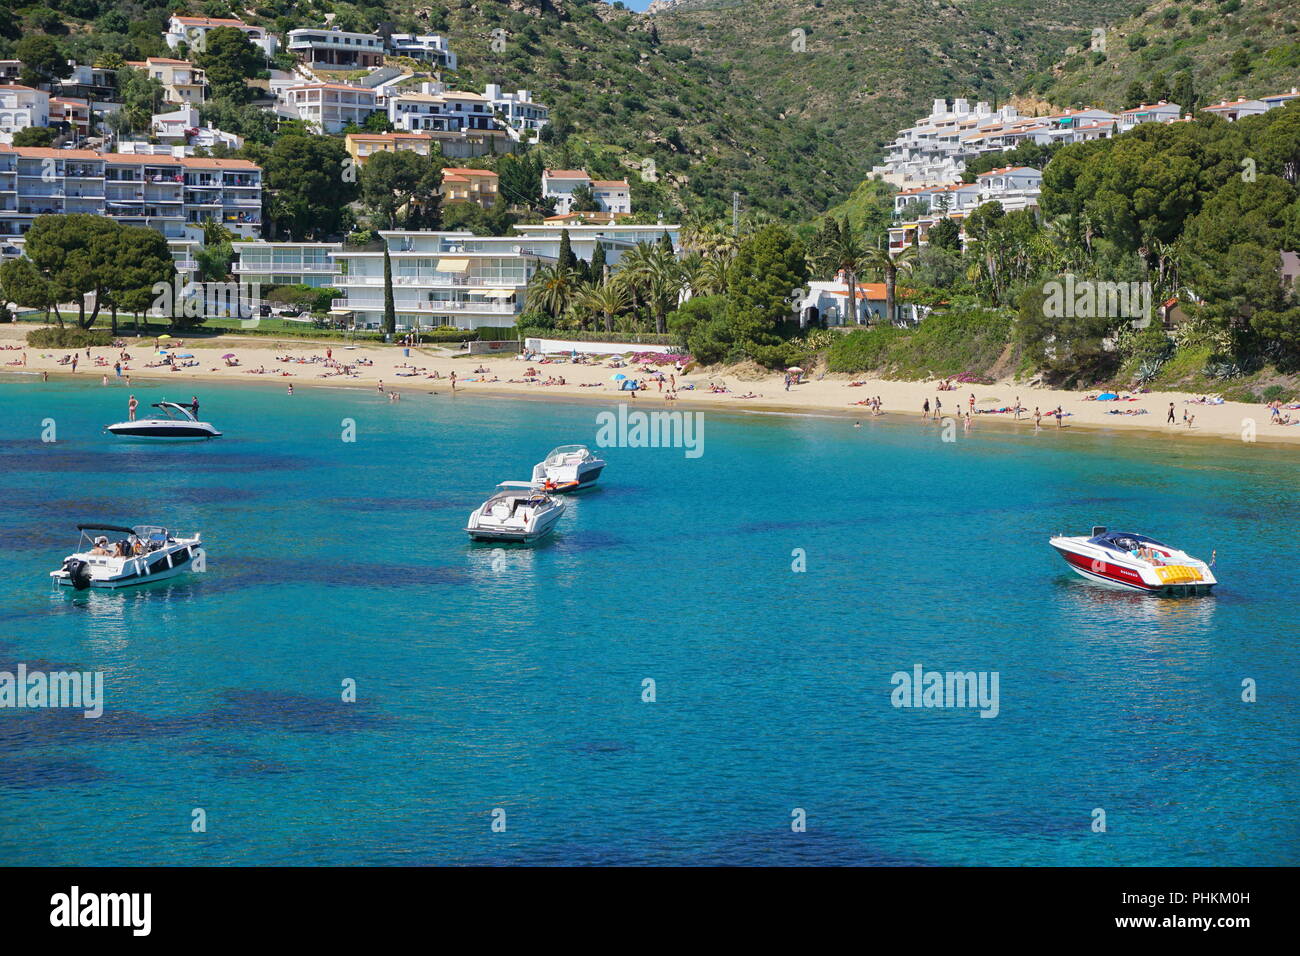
{"x":1136,"y":562}
{"x":176,"y":422}
{"x":568,"y":468}
{"x":144,"y":554}
{"x":518,"y":511}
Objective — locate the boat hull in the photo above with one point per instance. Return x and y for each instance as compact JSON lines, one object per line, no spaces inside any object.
{"x":150,"y":431}
{"x":134,"y":571}
{"x":481,"y":532}
{"x":1097,"y":567}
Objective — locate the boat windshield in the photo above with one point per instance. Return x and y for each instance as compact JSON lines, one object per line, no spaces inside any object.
{"x":567,"y":453}
{"x":1125,"y":541}
{"x":176,"y":412}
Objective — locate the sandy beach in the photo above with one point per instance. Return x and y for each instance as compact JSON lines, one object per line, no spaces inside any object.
{"x":428,"y":370}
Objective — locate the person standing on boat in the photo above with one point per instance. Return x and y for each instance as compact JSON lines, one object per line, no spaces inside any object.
{"x":194,"y":405}
{"x":131,"y":406}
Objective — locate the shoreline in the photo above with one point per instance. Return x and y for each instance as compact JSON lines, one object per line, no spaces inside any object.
{"x":829,"y":397}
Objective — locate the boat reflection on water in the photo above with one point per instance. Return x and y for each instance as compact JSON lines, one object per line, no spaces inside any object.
{"x":504,"y":565}
{"x":1173,"y":617}
{"x":116,"y":618}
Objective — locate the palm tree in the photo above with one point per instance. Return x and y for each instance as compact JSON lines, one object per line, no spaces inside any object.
{"x":606,"y":299}
{"x":844,"y":253}
{"x":552,"y":289}
{"x":880,"y":262}
{"x":713,"y":277}
{"x":658,"y":278}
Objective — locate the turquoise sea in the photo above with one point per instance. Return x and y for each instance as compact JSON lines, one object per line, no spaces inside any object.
{"x":513,"y":679}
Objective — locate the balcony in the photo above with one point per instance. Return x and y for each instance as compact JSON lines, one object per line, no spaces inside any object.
{"x":436,"y":307}
{"x":426,"y":280}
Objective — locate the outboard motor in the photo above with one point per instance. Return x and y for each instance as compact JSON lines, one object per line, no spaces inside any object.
{"x":78,"y":573}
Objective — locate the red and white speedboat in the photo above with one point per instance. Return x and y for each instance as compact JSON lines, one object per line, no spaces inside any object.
{"x":1135,"y":561}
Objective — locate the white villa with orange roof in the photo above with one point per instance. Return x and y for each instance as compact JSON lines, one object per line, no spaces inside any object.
{"x":611,"y":195}
{"x":1233,"y":110}
{"x":1161,"y":112}
{"x":193,"y":32}
{"x":22,"y":107}
{"x":330,"y":107}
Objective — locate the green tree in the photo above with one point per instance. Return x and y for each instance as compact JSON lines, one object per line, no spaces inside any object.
{"x":945,"y":234}
{"x":392,"y":181}
{"x":75,"y":253}
{"x":22,"y":283}
{"x":306,"y":182}
{"x":34,"y":136}
{"x":142,"y":261}
{"x":1233,"y":249}
{"x":229,"y":58}
{"x":43,"y":59}
{"x":769,"y":266}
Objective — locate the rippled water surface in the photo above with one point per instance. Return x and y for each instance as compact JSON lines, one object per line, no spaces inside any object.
{"x":513,"y":679}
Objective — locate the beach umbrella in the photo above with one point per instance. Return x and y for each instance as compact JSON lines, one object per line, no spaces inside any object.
{"x":161,"y":337}
{"x":794,"y":368}
{"x":617,"y":377}
{"x":228,"y":355}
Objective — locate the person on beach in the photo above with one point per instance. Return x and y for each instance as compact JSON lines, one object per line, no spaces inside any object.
{"x":453,"y":381}
{"x":74,"y":361}
{"x":1038,"y":418}
{"x":291,"y":388}
{"x":131,"y":406}
{"x":117,"y":368}
{"x":1018,"y":409}
{"x":1060,"y":416}
{"x":972,"y":402}
{"x":925,"y":409}
{"x":938,"y":407}
{"x":1170,"y":420}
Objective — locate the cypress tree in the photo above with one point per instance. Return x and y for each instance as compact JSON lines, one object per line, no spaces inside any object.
{"x":598,"y":263}
{"x":390,"y":310}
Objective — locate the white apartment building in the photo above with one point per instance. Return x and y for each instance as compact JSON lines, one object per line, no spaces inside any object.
{"x":22,"y":107}
{"x":428,"y":47}
{"x":439,"y":278}
{"x":330,"y":107}
{"x":437,"y":109}
{"x":172,"y":194}
{"x":1013,"y":187}
{"x":329,"y":48}
{"x":934,"y":150}
{"x":611,"y":195}
{"x":193,"y":32}
{"x":519,"y":110}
